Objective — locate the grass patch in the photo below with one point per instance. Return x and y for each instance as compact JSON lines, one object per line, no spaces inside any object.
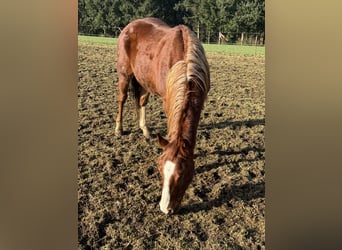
{"x":234,"y":49}
{"x":209,"y":48}
{"x":98,"y":40}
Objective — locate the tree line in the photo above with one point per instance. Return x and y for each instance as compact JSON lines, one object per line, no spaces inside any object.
{"x":208,"y":18}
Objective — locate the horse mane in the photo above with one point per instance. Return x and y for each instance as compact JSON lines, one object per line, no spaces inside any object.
{"x":186,"y":78}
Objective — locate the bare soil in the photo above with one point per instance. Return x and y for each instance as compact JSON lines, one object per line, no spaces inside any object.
{"x":119,"y":186}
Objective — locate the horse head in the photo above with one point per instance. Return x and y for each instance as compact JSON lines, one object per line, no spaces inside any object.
{"x":176,"y":167}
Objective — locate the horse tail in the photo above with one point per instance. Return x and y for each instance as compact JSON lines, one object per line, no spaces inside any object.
{"x":186,"y":77}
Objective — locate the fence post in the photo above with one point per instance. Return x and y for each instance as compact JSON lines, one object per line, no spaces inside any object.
{"x":256,"y":40}
{"x":198,"y":31}
{"x":208,"y":37}
{"x":242,"y":37}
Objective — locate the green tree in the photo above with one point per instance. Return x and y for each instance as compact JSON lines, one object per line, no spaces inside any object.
{"x":167,"y":12}
{"x":192,"y":13}
{"x":206,"y":17}
{"x":248,"y":18}
{"x":247,"y":15}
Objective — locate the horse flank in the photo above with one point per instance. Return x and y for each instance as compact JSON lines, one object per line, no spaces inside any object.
{"x":195,"y":69}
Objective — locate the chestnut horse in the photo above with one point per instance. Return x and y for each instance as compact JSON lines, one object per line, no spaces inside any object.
{"x":171,"y":63}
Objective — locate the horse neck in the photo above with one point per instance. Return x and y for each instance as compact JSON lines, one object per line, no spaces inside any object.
{"x":187,"y":129}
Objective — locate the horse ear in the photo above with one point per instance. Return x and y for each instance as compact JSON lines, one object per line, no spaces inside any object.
{"x":162,"y":141}
{"x":185,"y":147}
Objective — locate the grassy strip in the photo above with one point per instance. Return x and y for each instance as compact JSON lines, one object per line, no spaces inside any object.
{"x":98,"y":40}
{"x":209,"y":48}
{"x":234,"y":49}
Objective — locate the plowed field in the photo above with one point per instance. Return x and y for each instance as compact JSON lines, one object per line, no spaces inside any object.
{"x":119,"y":186}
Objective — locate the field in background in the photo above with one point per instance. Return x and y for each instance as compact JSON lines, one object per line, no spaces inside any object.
{"x":217,"y":48}
{"x":119,"y":186}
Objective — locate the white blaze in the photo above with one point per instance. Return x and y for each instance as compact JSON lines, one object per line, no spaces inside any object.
{"x":168,"y":171}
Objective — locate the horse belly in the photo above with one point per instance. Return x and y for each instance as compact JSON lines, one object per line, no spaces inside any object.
{"x":143,"y":73}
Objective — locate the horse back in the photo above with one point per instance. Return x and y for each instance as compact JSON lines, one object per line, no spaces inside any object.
{"x":147,"y":49}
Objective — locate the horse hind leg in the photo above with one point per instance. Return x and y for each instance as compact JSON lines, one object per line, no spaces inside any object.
{"x":142,"y":112}
{"x":123,"y":89}
{"x":140,"y":96}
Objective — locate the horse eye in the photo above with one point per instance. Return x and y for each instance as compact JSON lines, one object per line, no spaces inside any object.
{"x":178,"y":177}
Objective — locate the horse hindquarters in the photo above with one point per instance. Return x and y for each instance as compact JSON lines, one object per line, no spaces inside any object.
{"x":140,"y":96}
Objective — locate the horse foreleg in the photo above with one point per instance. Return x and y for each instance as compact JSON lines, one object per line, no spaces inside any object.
{"x":142,"y":122}
{"x":142,"y":117}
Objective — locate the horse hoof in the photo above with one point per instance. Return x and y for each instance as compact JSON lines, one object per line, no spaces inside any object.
{"x":146,"y":132}
{"x":147,"y":135}
{"x":118,"y":133}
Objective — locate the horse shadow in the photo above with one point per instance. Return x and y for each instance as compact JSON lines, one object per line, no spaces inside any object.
{"x":234,"y":124}
{"x":246,"y":192}
{"x":208,"y":167}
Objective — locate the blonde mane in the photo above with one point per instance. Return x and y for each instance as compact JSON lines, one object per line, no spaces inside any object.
{"x":193,"y":69}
